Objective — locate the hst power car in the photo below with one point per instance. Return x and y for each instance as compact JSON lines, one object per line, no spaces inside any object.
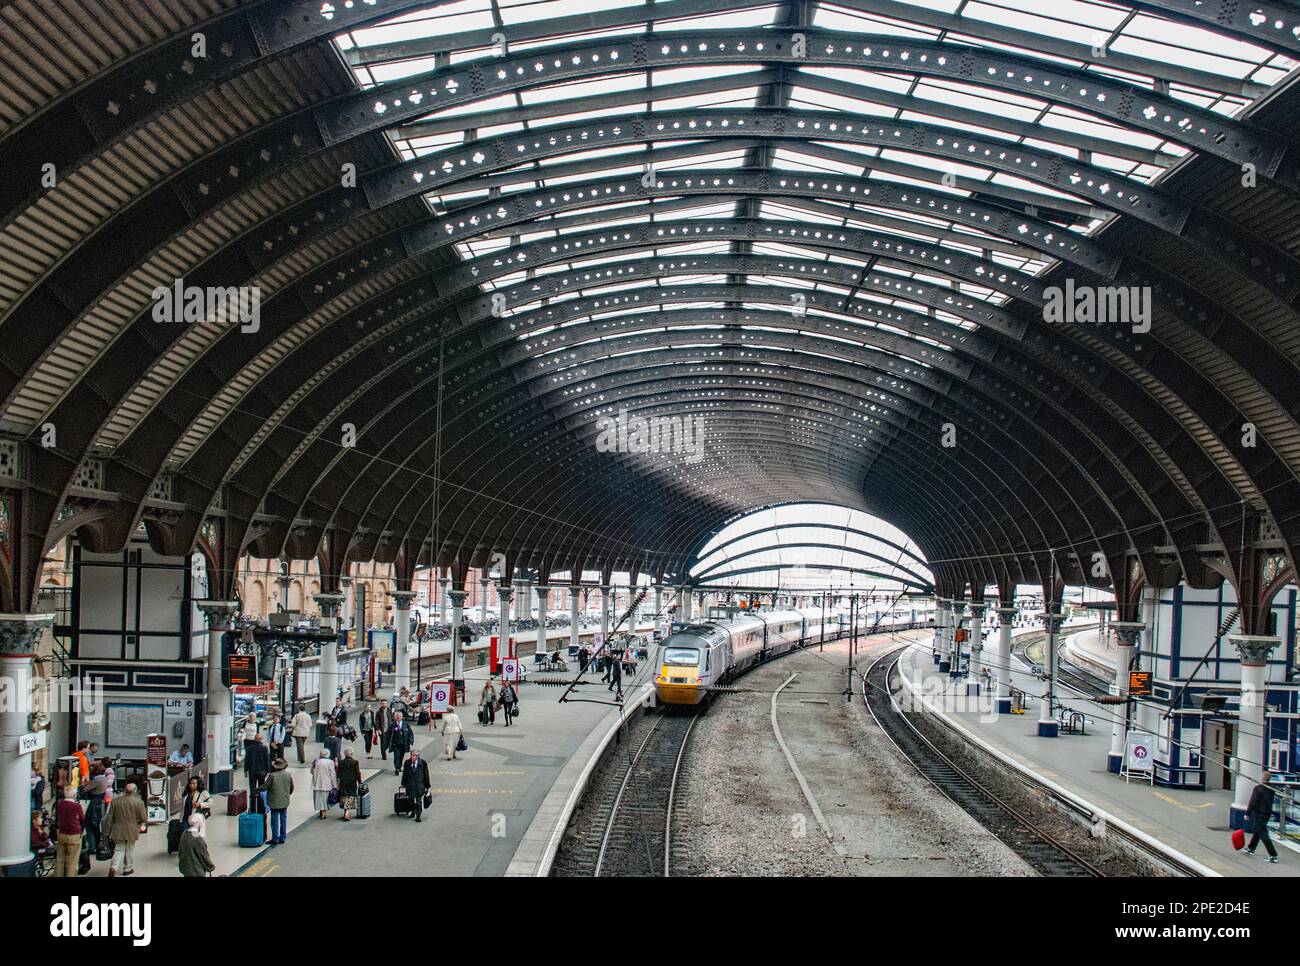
{"x":716,"y":651}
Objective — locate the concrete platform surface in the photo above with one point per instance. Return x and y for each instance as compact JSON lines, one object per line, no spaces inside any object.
{"x":1194,"y":823}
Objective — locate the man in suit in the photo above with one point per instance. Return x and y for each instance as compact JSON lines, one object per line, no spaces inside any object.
{"x":415,"y":779}
{"x":400,"y":740}
{"x":383,"y":722}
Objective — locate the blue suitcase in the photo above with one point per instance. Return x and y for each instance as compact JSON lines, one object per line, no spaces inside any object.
{"x":252,"y":830}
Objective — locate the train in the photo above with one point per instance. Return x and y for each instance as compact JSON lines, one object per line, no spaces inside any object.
{"x":700,"y":655}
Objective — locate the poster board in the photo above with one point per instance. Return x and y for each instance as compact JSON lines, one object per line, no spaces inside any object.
{"x":1139,"y":757}
{"x":130,"y":725}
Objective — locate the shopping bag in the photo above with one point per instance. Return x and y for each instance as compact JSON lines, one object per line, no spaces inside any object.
{"x":1238,"y":839}
{"x":462,"y":744}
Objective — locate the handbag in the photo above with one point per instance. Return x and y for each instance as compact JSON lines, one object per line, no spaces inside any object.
{"x":462,"y":744}
{"x":428,"y":800}
{"x":514,"y":710}
{"x":1238,"y":839}
{"x":333,"y":798}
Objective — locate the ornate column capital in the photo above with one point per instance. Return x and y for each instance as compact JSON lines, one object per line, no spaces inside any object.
{"x":1128,"y":632}
{"x":458,"y":597}
{"x":20,"y":632}
{"x":958,"y":607}
{"x":1052,"y":621}
{"x":329,"y":603}
{"x":977,"y":609}
{"x":402,"y":598}
{"x":345,"y":582}
{"x":218,"y":612}
{"x":1007,"y":614}
{"x":505,"y":593}
{"x":1254,"y":648}
{"x":606,"y":588}
{"x":575,"y":590}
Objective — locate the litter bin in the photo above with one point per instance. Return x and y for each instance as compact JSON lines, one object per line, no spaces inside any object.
{"x":322,"y":731}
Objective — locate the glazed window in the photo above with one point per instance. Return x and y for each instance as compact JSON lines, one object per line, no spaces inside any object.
{"x":682,"y":656}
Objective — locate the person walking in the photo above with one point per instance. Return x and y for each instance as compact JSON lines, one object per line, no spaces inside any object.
{"x":248,"y":731}
{"x":338,"y":716}
{"x":615,"y":675}
{"x":415,"y":779}
{"x":301,"y":729}
{"x":279,"y":788}
{"x":400,"y":740}
{"x":1260,"y":810}
{"x":508,"y":701}
{"x":383,"y":721}
{"x":584,"y":658}
{"x":70,"y":823}
{"x":195,"y":799}
{"x":277,"y":737}
{"x":333,"y":743}
{"x":349,"y":773}
{"x":193,"y":856}
{"x":488,"y":701}
{"x":324,"y":779}
{"x":127,"y":818}
{"x":452,"y":729}
{"x":366,"y":725}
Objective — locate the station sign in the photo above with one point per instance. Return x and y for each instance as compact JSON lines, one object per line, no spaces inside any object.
{"x":1139,"y":683}
{"x":510,"y":669}
{"x":961,"y":635}
{"x":1138,"y":749}
{"x":241,"y":670}
{"x":439,"y":697}
{"x":31,"y":742}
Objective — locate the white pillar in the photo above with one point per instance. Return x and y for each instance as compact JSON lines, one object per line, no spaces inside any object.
{"x":19,"y":635}
{"x":442,"y":600}
{"x":1047,"y":724}
{"x":327,"y":673}
{"x":977,"y":609}
{"x":685,"y":598}
{"x":505,"y":594}
{"x":1006,"y":620}
{"x":484,"y":583}
{"x":606,"y":594}
{"x":1250,"y":749}
{"x":958,"y":608}
{"x":575,"y":593}
{"x":1148,"y":715}
{"x":540,"y":646}
{"x":219,"y":706}
{"x":700,"y":598}
{"x":402,"y":649}
{"x":457,"y":619}
{"x":659,"y":604}
{"x":1126,"y":638}
{"x":345,"y":611}
{"x":940,"y":642}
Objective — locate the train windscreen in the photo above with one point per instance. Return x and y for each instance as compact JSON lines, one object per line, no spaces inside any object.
{"x":682,"y":656}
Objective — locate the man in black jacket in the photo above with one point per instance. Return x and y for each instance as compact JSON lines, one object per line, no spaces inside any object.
{"x":415,"y":779}
{"x":259,"y":766}
{"x":1260,"y":811}
{"x":400,"y":740}
{"x":383,"y":721}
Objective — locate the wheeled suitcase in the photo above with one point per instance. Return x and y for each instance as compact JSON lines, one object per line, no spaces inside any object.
{"x":482,"y":715}
{"x":363,"y":802}
{"x":237,"y":802}
{"x":174,"y":831}
{"x":252,"y":830}
{"x":401,"y":802}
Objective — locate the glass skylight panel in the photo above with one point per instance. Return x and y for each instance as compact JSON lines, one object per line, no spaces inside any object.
{"x":790,"y":159}
{"x":580,"y":90}
{"x":829,"y":17}
{"x":1083,"y":23}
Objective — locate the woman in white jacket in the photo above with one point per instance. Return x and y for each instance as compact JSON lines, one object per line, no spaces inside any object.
{"x":451,"y":732}
{"x":324,"y":779}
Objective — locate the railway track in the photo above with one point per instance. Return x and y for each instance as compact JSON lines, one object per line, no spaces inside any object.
{"x":1046,"y":854}
{"x":630,"y":833}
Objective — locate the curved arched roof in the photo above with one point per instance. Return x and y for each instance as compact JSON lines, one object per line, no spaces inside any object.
{"x":828,"y":229}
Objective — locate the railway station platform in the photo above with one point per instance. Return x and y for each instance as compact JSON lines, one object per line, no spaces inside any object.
{"x":1191,"y":825}
{"x":489,"y":806}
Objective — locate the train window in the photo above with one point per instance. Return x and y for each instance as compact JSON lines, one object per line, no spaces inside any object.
{"x":682,"y":656}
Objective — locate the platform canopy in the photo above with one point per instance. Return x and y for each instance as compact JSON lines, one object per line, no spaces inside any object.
{"x":847,"y":243}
